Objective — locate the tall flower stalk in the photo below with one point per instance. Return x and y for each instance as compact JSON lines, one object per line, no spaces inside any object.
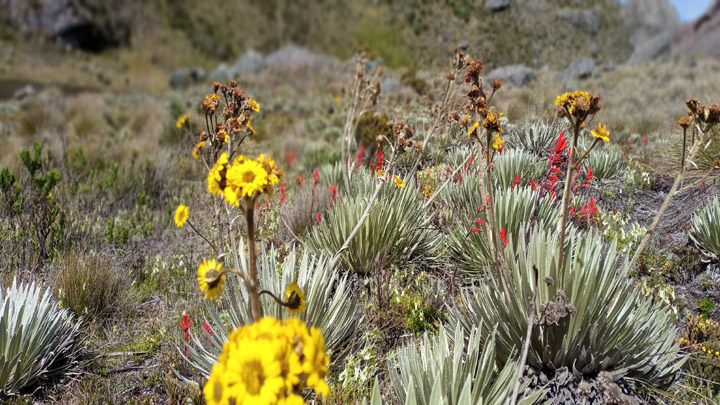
{"x":705,"y":122}
{"x":577,"y":107}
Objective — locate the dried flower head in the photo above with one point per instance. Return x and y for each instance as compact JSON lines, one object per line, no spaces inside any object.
{"x":713,"y":115}
{"x":695,"y":106}
{"x":475,"y":67}
{"x":684,"y":122}
{"x":497,"y":84}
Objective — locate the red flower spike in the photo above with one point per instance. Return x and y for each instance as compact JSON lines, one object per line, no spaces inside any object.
{"x":476,"y":229}
{"x":503,"y":236}
{"x":317,"y":216}
{"x":301,"y":181}
{"x":333,"y":190}
{"x":645,"y":140}
{"x":479,"y":221}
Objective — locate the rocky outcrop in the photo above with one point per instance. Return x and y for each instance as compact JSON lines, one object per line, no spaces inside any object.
{"x":651,"y":48}
{"x":69,"y":22}
{"x":588,"y":20}
{"x":519,"y":75}
{"x":186,"y":76}
{"x":496,"y":5}
{"x":291,"y":56}
{"x":251,"y":61}
{"x":581,"y":68}
{"x":647,"y":18}
{"x":702,"y":36}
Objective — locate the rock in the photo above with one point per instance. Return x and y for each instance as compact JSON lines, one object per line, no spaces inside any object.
{"x":653,"y":16}
{"x":291,"y":56}
{"x":651,"y":48}
{"x":72,"y":25}
{"x":496,"y":5}
{"x":581,"y":68}
{"x":463,"y":45}
{"x":223,"y":73}
{"x":251,"y":61}
{"x":702,"y":36}
{"x":390,"y":85}
{"x":588,"y":20}
{"x":186,"y":76}
{"x":25,"y":91}
{"x":519,"y":75}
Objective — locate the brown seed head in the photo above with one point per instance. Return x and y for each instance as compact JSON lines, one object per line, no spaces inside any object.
{"x":713,"y":114}
{"x":695,"y":106}
{"x":474,"y":69}
{"x":497,"y":83}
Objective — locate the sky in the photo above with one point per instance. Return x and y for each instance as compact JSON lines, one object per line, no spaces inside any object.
{"x":689,"y":9}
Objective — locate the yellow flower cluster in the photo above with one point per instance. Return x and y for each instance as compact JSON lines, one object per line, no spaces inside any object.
{"x":701,"y":335}
{"x":569,"y":99}
{"x":269,"y":362}
{"x":398,"y":181}
{"x":244,"y":177}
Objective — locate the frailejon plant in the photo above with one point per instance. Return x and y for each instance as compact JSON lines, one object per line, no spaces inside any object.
{"x":452,"y":371}
{"x":391,"y":232}
{"x":268,"y":360}
{"x":38,"y":340}
{"x":330,"y":305}
{"x":705,"y":229}
{"x":590,"y":317}
{"x":537,"y":137}
{"x":513,"y":208}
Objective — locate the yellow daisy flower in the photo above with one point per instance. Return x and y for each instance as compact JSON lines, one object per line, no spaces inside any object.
{"x":601,"y":132}
{"x":181,"y":120}
{"x":181,"y":215}
{"x":248,"y":177}
{"x":398,"y":181}
{"x":472,"y":129}
{"x":196,"y":149}
{"x":296,"y":298}
{"x":217,"y":175}
{"x":254,"y":105}
{"x":211,"y":278}
{"x":316,"y":361}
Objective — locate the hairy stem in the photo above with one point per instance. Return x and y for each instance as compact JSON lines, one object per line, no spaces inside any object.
{"x":566,"y":195}
{"x":252,"y":265}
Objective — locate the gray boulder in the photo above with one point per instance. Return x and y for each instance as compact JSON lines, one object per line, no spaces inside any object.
{"x":186,"y":76}
{"x":291,"y":56}
{"x":519,"y":75}
{"x":581,"y":68}
{"x":223,"y":73}
{"x":652,"y":15}
{"x":251,"y":61}
{"x":651,"y":48}
{"x":496,"y":5}
{"x":588,"y":20}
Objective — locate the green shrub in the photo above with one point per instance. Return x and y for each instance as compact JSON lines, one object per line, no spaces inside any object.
{"x":591,"y":318}
{"x":436,"y":371}
{"x":331,"y":305}
{"x":394,"y":232}
{"x":90,"y":286}
{"x":705,"y":229}
{"x":706,"y":306}
{"x":38,"y":340}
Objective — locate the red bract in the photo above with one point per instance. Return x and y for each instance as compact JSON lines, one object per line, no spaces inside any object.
{"x":317,"y":215}
{"x":282,"y":192}
{"x":316,"y":176}
{"x":378,"y":166}
{"x":333,"y":190}
{"x":301,"y":181}
{"x":503,"y":237}
{"x":645,"y":140}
